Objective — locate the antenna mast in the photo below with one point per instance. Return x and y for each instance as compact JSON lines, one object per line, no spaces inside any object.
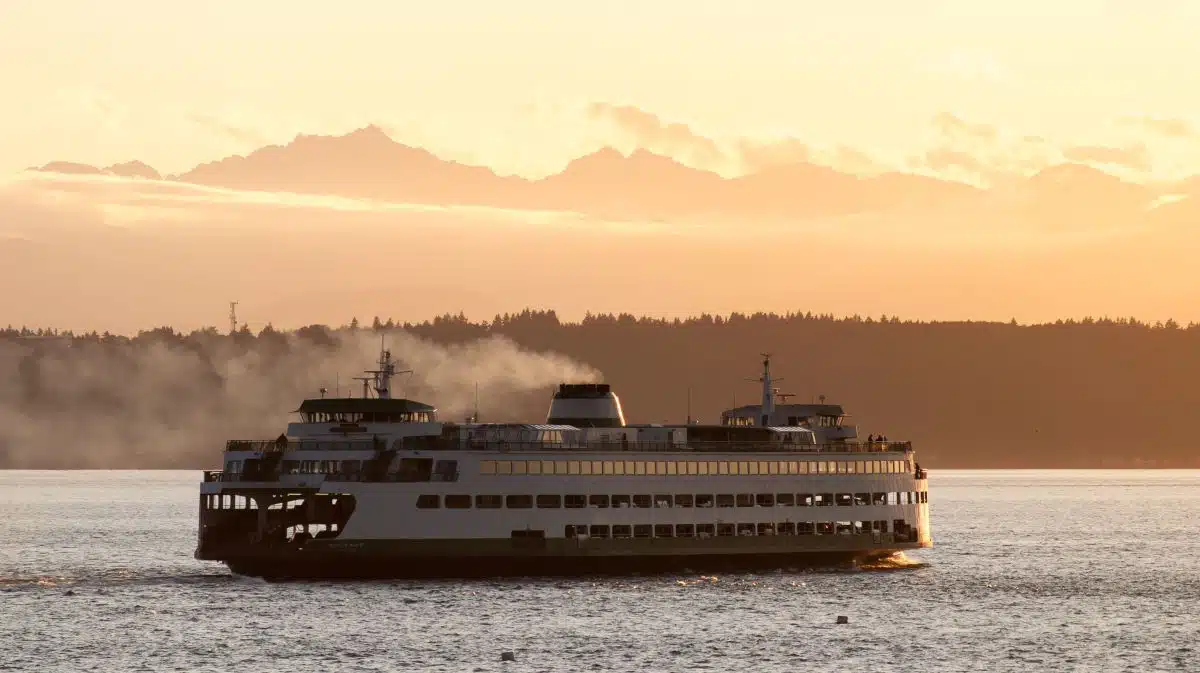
{"x":768,"y":390}
{"x":233,"y":317}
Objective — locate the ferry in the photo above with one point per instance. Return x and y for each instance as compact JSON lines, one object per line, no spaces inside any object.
{"x":376,"y":487}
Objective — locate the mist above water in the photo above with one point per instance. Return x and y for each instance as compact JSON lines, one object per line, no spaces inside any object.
{"x":170,"y":401}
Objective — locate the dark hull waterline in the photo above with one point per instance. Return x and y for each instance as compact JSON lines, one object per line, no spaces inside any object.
{"x":383,"y":566}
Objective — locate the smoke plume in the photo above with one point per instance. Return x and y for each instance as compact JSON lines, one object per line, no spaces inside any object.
{"x":164,"y":400}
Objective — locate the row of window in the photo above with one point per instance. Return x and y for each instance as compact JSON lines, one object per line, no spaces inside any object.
{"x":646,"y":501}
{"x":691,"y":467}
{"x":704,"y":530}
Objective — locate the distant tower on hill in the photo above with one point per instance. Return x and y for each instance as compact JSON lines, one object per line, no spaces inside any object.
{"x":233,"y":317}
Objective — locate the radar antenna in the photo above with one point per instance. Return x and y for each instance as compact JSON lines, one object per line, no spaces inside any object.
{"x":769,"y":391}
{"x":387,"y":369}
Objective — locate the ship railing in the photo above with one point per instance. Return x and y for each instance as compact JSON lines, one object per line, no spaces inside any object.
{"x":692,"y":446}
{"x":271,"y":445}
{"x":211,"y":476}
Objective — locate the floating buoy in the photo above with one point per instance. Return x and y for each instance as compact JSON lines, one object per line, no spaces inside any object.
{"x":507,"y":656}
{"x":843,"y":619}
{"x":69,"y":593}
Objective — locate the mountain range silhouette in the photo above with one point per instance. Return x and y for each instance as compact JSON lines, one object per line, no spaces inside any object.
{"x":368,"y":164}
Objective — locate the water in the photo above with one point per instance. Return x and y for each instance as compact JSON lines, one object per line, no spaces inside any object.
{"x":1038,"y":570}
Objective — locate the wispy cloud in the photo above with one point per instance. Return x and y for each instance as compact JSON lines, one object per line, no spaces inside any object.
{"x":1170,"y":128}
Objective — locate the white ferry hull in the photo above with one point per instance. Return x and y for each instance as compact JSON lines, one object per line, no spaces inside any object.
{"x":366,"y":488}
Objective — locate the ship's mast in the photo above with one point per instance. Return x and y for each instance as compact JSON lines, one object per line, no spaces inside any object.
{"x":383,"y":375}
{"x":768,"y":391}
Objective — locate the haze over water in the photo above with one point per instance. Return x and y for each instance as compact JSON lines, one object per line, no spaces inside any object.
{"x":1032,"y":570}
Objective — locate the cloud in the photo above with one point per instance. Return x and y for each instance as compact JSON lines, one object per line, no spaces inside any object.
{"x":1171,"y":128}
{"x":953,"y":126}
{"x":740,"y":155}
{"x":1134,"y":158}
{"x":242,"y":135}
{"x":94,"y":104}
{"x":651,"y":132}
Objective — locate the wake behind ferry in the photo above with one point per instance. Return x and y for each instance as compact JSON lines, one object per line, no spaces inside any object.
{"x":379,"y":487}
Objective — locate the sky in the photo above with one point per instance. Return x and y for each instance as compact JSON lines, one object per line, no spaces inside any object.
{"x":509,"y":84}
{"x":987,"y":92}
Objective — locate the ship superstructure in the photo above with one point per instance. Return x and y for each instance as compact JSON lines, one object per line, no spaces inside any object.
{"x":377,"y":486}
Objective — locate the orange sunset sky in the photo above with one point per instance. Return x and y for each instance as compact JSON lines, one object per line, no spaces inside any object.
{"x":1060,"y":142}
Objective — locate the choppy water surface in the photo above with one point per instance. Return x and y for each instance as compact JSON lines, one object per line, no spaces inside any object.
{"x":1089,"y":570}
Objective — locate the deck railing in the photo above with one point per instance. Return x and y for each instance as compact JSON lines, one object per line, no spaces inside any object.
{"x":443,"y":444}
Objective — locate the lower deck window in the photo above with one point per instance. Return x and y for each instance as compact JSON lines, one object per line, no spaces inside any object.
{"x":685,"y":530}
{"x":428,"y":501}
{"x":458,"y":502}
{"x":664,"y":530}
{"x":488,"y":502}
{"x":600,"y":531}
{"x":518,"y":501}
{"x":549,"y":501}
{"x":622,"y":531}
{"x":705,"y":530}
{"x":643,"y":530}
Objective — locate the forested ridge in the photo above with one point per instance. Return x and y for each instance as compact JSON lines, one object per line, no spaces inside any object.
{"x":1090,"y":393}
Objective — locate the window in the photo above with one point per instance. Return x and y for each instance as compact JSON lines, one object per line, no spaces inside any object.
{"x":862,"y":498}
{"x":620,"y":501}
{"x":575,"y":501}
{"x":844,"y":499}
{"x":518,"y":501}
{"x":662,"y":500}
{"x":487,"y":467}
{"x":458,"y":502}
{"x":535,"y":466}
{"x":622,"y":531}
{"x":823,"y":499}
{"x":598,"y":501}
{"x":570,"y":530}
{"x":549,"y":501}
{"x":879,"y":498}
{"x":785,"y":499}
{"x":428,"y":501}
{"x":766,"y":529}
{"x":745,"y":529}
{"x":704,"y":500}
{"x":642,"y":501}
{"x":745,"y":499}
{"x":547,"y":467}
{"x":664,"y":530}
{"x":503,"y":467}
{"x":488,"y":502}
{"x":683,"y":500}
{"x":804,"y":528}
{"x":804,"y":499}
{"x":518,"y":467}
{"x":785,"y":528}
{"x":725,"y":530}
{"x":705,"y":530}
{"x":725,"y":500}
{"x":643,"y":529}
{"x":765,"y":499}
{"x":600,"y":531}
{"x":685,"y":530}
